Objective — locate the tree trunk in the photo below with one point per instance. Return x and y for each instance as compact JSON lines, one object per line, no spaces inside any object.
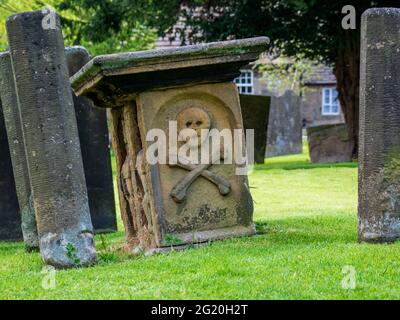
{"x":347,"y":72}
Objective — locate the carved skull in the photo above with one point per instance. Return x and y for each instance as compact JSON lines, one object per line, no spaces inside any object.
{"x":196,"y":119}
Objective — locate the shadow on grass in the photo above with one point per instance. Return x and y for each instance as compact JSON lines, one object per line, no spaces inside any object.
{"x":309,"y":230}
{"x":285,"y":165}
{"x":11,"y":247}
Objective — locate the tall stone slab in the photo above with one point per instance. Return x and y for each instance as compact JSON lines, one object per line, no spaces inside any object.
{"x":17,"y":152}
{"x":10,"y":218}
{"x":175,"y":202}
{"x":379,"y":146}
{"x":255,"y":113}
{"x":51,"y":137}
{"x":285,"y":125}
{"x":93,"y":136}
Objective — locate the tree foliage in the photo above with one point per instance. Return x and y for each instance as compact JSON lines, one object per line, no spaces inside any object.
{"x":109,"y":26}
{"x":310,"y":29}
{"x":282,"y":73}
{"x":9,"y":7}
{"x":101,"y":26}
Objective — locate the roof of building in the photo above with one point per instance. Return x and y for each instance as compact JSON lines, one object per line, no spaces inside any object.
{"x":319,"y":74}
{"x":167,"y":42}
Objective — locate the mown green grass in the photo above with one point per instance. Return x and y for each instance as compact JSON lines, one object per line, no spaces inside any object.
{"x":307,"y":232}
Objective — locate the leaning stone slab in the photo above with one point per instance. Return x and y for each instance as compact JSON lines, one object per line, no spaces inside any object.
{"x":17,"y":152}
{"x":379,"y":151}
{"x":10,"y":218}
{"x":93,"y":135}
{"x":255,"y":113}
{"x":173,"y":204}
{"x":329,"y":144}
{"x":285,"y":125}
{"x":94,"y":140}
{"x":52,"y":143}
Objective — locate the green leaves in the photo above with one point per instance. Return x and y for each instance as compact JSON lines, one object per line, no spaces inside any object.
{"x":110,"y":26}
{"x":128,"y":38}
{"x":10,"y":7}
{"x":105,"y":26}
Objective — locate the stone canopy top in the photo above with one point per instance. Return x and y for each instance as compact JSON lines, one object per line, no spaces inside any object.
{"x":111,"y":79}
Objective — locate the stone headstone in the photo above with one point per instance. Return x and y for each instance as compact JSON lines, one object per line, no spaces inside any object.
{"x":93,"y":136}
{"x":329,"y":143}
{"x":51,"y":138}
{"x":285,"y":125}
{"x":17,"y":152}
{"x":173,"y":203}
{"x":379,"y":145}
{"x":255,"y":113}
{"x":10,"y":218}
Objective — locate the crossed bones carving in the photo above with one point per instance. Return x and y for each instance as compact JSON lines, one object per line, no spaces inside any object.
{"x":178,"y":192}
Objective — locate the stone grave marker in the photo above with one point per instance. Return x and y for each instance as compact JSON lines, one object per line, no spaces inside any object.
{"x":51,"y":138}
{"x":94,"y":140}
{"x":255,"y":113}
{"x":93,"y":134}
{"x":379,"y":144}
{"x":26,"y":213}
{"x":329,"y":143}
{"x":175,"y":202}
{"x":284,"y":128}
{"x":10,"y":218}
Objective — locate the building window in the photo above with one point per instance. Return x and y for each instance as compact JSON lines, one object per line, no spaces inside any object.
{"x":245,"y":82}
{"x":330,"y":102}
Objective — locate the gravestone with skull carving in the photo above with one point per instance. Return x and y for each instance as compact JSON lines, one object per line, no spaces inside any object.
{"x":188,"y":93}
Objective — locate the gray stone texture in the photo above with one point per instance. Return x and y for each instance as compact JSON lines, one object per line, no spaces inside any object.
{"x":285,"y":124}
{"x":17,"y":152}
{"x":255,"y":114}
{"x":53,"y":151}
{"x":379,"y":146}
{"x":94,"y":140}
{"x":10,"y":225}
{"x":329,"y":144}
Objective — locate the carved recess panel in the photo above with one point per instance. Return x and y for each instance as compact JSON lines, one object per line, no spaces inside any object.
{"x":197,"y":202}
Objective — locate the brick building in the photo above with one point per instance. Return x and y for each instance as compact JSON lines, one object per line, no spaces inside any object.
{"x":320,"y":103}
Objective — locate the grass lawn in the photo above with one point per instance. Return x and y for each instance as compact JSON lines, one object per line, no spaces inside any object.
{"x":307,"y":232}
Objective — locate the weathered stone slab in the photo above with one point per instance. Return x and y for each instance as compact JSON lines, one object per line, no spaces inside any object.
{"x":329,"y":143}
{"x":284,"y":128}
{"x":10,"y":225}
{"x":52,"y":144}
{"x":255,"y":113}
{"x":205,"y":214}
{"x":17,"y":152}
{"x":379,"y":146}
{"x":94,"y":140}
{"x":93,"y":134}
{"x":165,"y":204}
{"x":136,"y":71}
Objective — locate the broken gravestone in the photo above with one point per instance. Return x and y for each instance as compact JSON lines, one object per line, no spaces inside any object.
{"x":255,"y":113}
{"x":284,"y":135}
{"x":94,"y":140}
{"x":51,"y":139}
{"x":175,"y":202}
{"x":24,"y":214}
{"x":379,"y":146}
{"x":329,"y":143}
